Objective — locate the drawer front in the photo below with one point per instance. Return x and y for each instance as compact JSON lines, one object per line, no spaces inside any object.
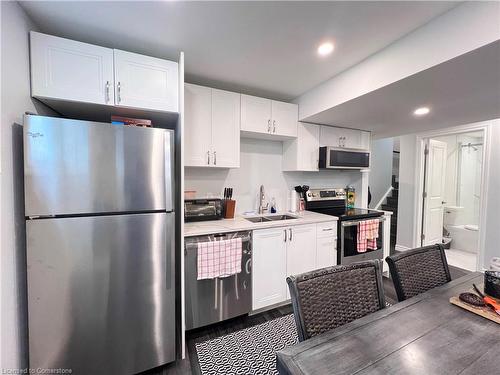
{"x":328,"y":229}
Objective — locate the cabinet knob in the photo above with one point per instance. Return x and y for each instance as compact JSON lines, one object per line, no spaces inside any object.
{"x":290,"y":229}
{"x":269,"y":126}
{"x":274,"y":126}
{"x":208,"y":157}
{"x":215,"y":157}
{"x":285,"y":235}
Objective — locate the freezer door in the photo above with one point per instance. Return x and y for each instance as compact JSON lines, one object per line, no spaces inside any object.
{"x":101,"y":293}
{"x":80,"y":167}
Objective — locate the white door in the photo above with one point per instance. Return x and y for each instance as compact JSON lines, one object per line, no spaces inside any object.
{"x":197,"y":125}
{"x":285,"y":117}
{"x":146,"y":82}
{"x":256,"y":114}
{"x":225,"y":129}
{"x":70,"y":70}
{"x":435,"y":173}
{"x":268,"y":267}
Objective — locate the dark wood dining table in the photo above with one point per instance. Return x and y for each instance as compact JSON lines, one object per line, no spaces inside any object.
{"x":425,"y":334}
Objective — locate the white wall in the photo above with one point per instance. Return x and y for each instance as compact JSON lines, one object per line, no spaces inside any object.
{"x":15,"y":101}
{"x":260,"y":164}
{"x":406,"y":210}
{"x":380,"y":168}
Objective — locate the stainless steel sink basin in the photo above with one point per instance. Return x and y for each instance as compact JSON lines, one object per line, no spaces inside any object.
{"x":259,"y":219}
{"x":280,"y":217}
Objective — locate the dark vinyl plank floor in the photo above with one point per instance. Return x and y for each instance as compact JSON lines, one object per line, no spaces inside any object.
{"x":189,"y":365}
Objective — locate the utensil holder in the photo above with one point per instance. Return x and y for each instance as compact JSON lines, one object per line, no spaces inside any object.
{"x":230,"y":206}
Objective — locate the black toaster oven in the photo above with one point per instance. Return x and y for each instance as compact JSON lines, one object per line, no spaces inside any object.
{"x":202,"y":209}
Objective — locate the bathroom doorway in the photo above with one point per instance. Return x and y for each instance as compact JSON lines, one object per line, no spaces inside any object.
{"x":451,"y":199}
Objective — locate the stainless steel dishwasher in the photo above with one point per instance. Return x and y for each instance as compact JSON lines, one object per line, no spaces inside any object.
{"x":213,"y":300}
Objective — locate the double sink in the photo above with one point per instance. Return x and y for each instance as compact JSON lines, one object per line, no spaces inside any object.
{"x":265,"y":219}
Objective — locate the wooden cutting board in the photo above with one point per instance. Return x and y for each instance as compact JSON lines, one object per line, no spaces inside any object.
{"x":485,"y":312}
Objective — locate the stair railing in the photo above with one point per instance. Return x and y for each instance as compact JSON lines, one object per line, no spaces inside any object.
{"x":384,"y":197}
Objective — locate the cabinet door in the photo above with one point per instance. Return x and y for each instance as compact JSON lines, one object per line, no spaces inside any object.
{"x":352,"y":138}
{"x":197,"y":125}
{"x":285,"y":117}
{"x":308,"y":137}
{"x":268,"y":267}
{"x":146,"y":82}
{"x":255,"y":114}
{"x":70,"y":70}
{"x":365,"y":140}
{"x":326,"y":252}
{"x":301,"y":249}
{"x":225,"y":129}
{"x":330,"y":136}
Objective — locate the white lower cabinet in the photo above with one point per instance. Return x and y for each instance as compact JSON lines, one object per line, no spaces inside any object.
{"x":281,"y":252}
{"x":326,"y":244}
{"x":326,"y":252}
{"x":300,"y":250}
{"x":268,"y":267}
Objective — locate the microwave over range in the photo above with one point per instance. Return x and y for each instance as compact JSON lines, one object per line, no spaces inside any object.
{"x":343,"y":158}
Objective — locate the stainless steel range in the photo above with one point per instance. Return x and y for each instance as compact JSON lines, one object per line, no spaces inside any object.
{"x":331,"y":201}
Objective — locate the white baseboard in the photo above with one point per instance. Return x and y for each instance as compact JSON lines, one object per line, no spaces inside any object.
{"x":401,"y":248}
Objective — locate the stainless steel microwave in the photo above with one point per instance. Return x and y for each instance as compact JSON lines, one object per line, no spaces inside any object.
{"x":343,"y":158}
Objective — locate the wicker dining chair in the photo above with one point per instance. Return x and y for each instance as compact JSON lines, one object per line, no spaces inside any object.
{"x":418,"y":270}
{"x":330,"y":297}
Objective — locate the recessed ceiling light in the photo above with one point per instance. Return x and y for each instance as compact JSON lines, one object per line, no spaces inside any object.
{"x":325,"y":49}
{"x":421,"y":111}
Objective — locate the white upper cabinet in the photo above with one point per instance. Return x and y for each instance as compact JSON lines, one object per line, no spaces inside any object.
{"x":225,"y":129}
{"x":343,"y":137}
{"x":146,"y":82}
{"x":284,"y":118}
{"x":255,"y":114}
{"x":66,"y":70}
{"x":301,"y":154}
{"x":69,"y":70}
{"x":197,"y":125}
{"x":271,"y":118}
{"x":211,"y":127}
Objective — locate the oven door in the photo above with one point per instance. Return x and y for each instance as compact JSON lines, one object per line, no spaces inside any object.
{"x":348,"y":245}
{"x":345,"y":158}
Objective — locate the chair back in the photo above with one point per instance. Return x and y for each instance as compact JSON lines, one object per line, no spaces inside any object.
{"x":330,"y":297}
{"x":418,"y":270}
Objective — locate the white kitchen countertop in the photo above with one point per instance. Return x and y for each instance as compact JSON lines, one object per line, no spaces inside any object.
{"x":239,"y":223}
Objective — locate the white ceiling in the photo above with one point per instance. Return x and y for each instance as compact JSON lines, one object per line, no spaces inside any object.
{"x":459,"y":91}
{"x":260,"y":48}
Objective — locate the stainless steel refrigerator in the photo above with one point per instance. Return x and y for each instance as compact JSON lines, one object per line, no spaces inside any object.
{"x":100,"y":246}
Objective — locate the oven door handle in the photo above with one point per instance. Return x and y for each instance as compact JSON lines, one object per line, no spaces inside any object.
{"x":351,"y":223}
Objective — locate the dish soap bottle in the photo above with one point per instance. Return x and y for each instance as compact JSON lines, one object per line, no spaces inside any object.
{"x":351,"y":196}
{"x":273,"y":205}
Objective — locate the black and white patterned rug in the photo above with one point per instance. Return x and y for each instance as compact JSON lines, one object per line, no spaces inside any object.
{"x":248,"y":351}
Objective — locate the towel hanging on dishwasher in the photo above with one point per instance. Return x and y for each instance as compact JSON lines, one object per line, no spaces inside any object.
{"x":219,"y":258}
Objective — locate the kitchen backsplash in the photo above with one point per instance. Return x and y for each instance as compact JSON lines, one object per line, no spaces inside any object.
{"x":260,"y":164}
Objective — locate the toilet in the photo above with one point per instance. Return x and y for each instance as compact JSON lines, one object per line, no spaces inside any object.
{"x":464,"y":236}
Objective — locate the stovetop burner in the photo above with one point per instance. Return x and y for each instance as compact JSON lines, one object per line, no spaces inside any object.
{"x":332,"y":202}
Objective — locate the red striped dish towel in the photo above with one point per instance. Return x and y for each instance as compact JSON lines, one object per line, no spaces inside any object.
{"x":367,"y":235}
{"x":219,"y":258}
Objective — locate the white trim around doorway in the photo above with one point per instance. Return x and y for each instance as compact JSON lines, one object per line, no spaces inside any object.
{"x":419,"y":180}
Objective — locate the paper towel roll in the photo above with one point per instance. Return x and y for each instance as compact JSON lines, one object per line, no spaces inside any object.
{"x":293,"y":200}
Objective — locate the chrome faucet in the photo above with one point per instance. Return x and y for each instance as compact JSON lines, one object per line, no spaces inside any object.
{"x":262,"y":198}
